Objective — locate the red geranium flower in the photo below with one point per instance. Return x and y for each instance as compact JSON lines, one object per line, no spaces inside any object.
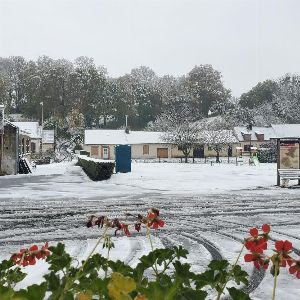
{"x":126,"y":230}
{"x":27,"y":257}
{"x":283,"y":249}
{"x":253,"y":232}
{"x":295,"y":269}
{"x":257,"y":259}
{"x":266,"y":228}
{"x":153,"y":219}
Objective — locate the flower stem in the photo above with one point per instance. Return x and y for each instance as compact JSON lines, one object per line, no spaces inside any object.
{"x":70,"y":281}
{"x":275,"y":281}
{"x":229,"y":275}
{"x":152,"y":249}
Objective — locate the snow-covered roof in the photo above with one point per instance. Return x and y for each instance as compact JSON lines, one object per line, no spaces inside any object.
{"x":119,"y":137}
{"x":268,"y":132}
{"x":48,"y":137}
{"x":286,"y":130}
{"x":223,"y":136}
{"x":32,"y":128}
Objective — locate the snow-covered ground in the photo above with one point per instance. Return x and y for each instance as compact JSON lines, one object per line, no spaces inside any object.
{"x":208,"y":209}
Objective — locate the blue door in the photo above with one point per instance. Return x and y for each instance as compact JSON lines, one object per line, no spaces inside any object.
{"x":123,"y":158}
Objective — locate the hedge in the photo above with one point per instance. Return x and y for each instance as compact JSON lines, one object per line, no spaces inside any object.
{"x":96,"y":170}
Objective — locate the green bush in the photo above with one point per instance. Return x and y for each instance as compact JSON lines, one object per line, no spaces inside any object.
{"x":96,"y":170}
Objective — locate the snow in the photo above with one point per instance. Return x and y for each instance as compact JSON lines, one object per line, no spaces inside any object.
{"x":268,"y":132}
{"x":207,"y":209}
{"x":287,"y":130}
{"x":48,"y":137}
{"x":120,"y":137}
{"x":32,"y":128}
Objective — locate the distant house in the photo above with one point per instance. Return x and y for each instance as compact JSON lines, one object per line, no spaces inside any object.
{"x":255,"y":136}
{"x":40,"y":140}
{"x":250,"y":137}
{"x":13,"y":144}
{"x":100,"y":143}
{"x":48,"y":140}
{"x":144,"y":144}
{"x":35,"y":132}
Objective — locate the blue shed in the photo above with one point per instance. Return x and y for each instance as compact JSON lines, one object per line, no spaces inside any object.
{"x":123,"y":158}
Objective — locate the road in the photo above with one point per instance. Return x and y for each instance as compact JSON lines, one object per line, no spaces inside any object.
{"x":55,"y":208}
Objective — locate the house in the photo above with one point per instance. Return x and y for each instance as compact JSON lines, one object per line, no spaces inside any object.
{"x":48,"y":141}
{"x":13,"y":144}
{"x":256,"y":136}
{"x":252,"y":136}
{"x":100,"y":143}
{"x":35,"y":132}
{"x":41,"y":140}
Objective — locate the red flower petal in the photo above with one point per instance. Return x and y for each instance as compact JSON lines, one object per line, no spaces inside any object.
{"x":266,"y":228}
{"x":254,"y":232}
{"x":279,"y":245}
{"x":161,"y":223}
{"x":298,"y":274}
{"x":293,"y":269}
{"x":34,"y":248}
{"x":288,"y":246}
{"x":248,"y":257}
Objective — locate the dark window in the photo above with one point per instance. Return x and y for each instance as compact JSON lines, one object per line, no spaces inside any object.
{"x":247,"y":148}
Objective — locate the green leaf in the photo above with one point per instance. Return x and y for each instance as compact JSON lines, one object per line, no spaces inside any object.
{"x":239,"y":275}
{"x":33,"y":292}
{"x":218,"y":265}
{"x":206,"y":278}
{"x":6,"y":292}
{"x":59,"y":259}
{"x":53,"y":281}
{"x":188,"y":294}
{"x":180,"y":252}
{"x":236,"y":294}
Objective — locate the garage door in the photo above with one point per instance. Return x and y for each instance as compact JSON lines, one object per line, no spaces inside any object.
{"x":94,"y":151}
{"x":162,"y":152}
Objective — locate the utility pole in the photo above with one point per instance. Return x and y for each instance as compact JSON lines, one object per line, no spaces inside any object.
{"x":41,"y":146}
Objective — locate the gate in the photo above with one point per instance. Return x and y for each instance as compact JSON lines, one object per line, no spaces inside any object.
{"x":123,"y":158}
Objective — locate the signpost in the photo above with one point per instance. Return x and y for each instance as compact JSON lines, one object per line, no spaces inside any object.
{"x":288,"y":157}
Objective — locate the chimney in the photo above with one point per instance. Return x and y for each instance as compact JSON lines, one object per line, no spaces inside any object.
{"x":249,"y":127}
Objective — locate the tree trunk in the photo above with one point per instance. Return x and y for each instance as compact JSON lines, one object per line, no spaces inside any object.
{"x":218,"y":157}
{"x":186,"y":158}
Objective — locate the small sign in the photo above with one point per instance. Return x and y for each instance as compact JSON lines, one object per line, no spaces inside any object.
{"x":289,"y":154}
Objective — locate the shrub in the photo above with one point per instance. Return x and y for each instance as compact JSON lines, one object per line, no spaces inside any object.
{"x":96,"y":170}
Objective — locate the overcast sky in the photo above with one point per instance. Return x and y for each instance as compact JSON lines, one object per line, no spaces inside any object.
{"x":247,"y":40}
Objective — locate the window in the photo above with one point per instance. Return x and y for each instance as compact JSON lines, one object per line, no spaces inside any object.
{"x":27,"y":146}
{"x":33,"y":148}
{"x":209,"y":148}
{"x":247,"y":148}
{"x":146,"y":150}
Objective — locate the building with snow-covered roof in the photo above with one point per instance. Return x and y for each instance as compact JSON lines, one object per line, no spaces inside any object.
{"x":100,"y":143}
{"x":286,"y":130}
{"x":35,"y":132}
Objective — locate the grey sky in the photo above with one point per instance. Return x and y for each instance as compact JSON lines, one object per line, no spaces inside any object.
{"x":247,"y":40}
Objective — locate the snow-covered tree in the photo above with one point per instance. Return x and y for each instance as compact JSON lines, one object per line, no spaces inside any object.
{"x":180,"y":128}
{"x":215,"y":136}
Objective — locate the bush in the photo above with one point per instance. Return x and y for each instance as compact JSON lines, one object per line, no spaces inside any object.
{"x":96,"y":170}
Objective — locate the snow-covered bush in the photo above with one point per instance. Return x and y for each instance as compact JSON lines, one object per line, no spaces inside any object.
{"x":96,"y":169}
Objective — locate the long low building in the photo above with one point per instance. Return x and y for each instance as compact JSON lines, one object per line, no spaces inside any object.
{"x":100,"y":143}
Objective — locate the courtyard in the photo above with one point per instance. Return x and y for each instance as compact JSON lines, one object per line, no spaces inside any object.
{"x":207,"y":209}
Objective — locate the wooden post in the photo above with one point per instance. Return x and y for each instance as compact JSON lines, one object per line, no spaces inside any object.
{"x":278,"y":161}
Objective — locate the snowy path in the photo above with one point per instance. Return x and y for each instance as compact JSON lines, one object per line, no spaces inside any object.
{"x":54,"y":207}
